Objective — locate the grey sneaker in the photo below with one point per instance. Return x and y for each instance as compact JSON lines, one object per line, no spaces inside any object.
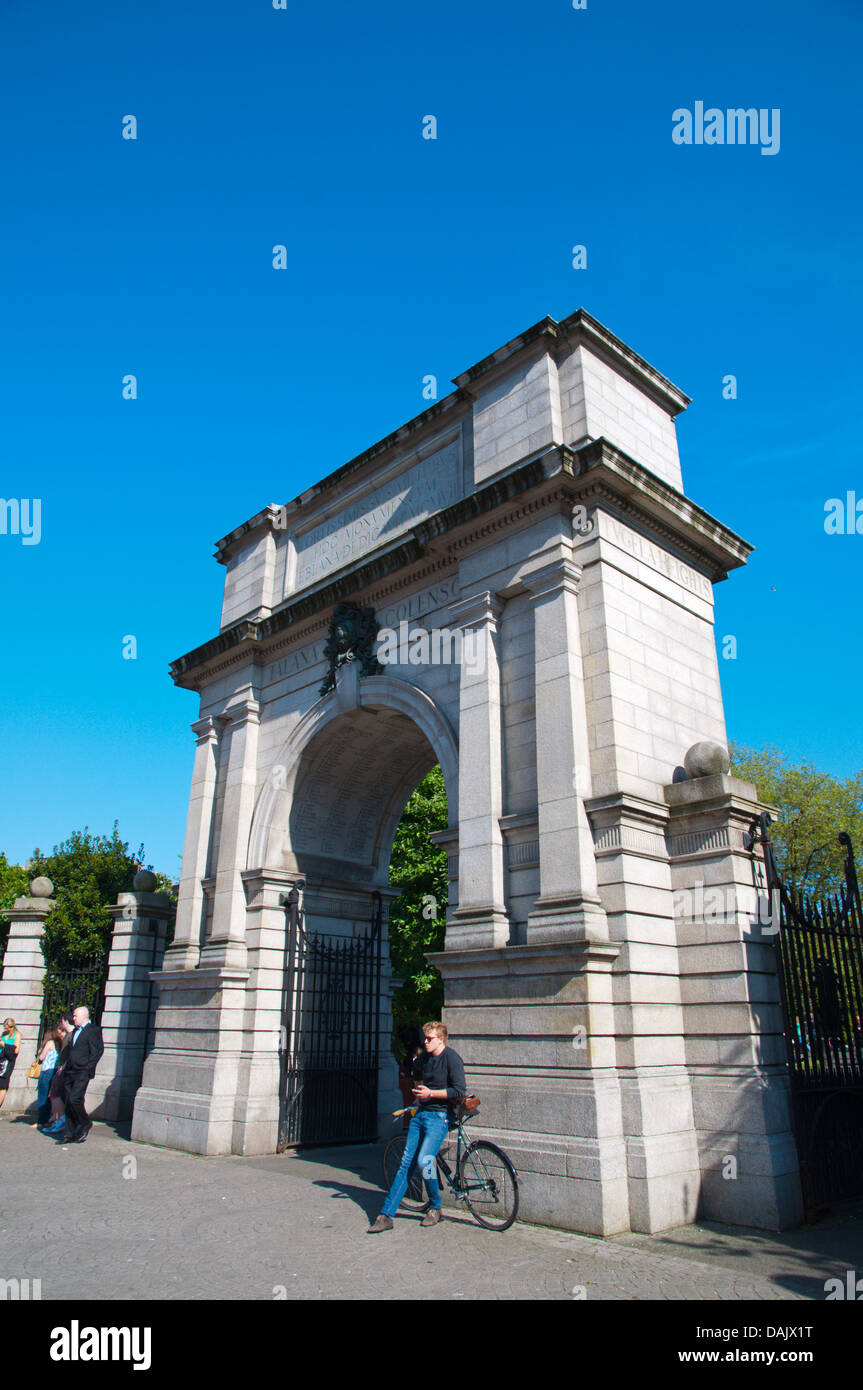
{"x":432,"y":1217}
{"x":383,"y":1223}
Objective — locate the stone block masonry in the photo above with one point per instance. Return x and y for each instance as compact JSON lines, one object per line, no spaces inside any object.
{"x":621,"y":1051}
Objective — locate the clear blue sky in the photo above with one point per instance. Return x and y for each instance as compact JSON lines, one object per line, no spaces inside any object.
{"x":407,"y":257}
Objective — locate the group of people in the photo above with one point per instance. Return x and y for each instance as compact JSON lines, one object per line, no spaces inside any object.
{"x":67,"y":1058}
{"x":431,"y":1077}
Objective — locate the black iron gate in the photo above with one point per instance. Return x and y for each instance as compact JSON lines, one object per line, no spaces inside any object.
{"x":819,"y":948}
{"x":67,"y":984}
{"x":331,"y":1033}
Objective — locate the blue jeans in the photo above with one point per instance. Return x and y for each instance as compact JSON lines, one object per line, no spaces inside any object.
{"x":42,"y":1087}
{"x":426,"y":1132}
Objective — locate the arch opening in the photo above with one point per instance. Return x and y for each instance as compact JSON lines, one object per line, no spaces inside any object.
{"x":331,"y":820}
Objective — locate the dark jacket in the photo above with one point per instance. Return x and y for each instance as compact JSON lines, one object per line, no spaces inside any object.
{"x":85,"y":1053}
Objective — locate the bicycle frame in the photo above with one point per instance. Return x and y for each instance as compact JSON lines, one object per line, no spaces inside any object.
{"x":452,"y":1179}
{"x":444,"y":1170}
{"x":489,"y":1199}
{"x":444,"y":1167}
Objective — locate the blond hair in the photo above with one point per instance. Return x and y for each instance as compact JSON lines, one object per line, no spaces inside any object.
{"x":439,"y":1029}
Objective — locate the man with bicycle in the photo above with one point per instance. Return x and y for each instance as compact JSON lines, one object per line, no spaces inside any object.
{"x":443,"y":1082}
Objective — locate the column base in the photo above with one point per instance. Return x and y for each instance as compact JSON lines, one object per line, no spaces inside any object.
{"x":567,"y":919}
{"x":475,"y":928}
{"x":224,"y":955}
{"x":181,"y":957}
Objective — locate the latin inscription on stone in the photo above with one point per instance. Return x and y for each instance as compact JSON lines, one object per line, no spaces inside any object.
{"x":406,"y":610}
{"x":396,"y":505}
{"x":419,"y":604}
{"x":643,"y":549}
{"x":295,"y":662}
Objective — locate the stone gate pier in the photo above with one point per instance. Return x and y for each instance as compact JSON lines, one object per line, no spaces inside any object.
{"x":609,"y":975}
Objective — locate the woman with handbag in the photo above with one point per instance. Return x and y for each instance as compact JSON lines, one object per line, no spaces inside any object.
{"x":48,"y":1057}
{"x":10,"y":1045}
{"x":57,"y":1121}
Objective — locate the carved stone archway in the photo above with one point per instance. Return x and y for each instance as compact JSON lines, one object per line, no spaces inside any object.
{"x":612,"y":1030}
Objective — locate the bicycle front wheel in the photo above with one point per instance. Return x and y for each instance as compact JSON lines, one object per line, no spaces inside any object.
{"x":489,"y":1185}
{"x":414,"y":1199}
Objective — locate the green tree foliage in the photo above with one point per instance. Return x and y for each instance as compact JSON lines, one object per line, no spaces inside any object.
{"x":418,"y":915}
{"x":87,"y":872}
{"x":13,"y":882}
{"x":165,"y":885}
{"x":812,"y":808}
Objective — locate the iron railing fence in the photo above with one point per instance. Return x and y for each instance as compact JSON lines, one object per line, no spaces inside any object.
{"x":819,"y":950}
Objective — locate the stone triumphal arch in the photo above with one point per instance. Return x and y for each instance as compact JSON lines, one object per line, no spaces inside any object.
{"x":625,"y":1037}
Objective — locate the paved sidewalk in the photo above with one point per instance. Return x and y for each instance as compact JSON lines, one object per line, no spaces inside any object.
{"x":185,"y":1227}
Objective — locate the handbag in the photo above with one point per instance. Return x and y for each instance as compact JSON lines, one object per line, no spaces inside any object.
{"x":466,"y":1106}
{"x":34,"y":1071}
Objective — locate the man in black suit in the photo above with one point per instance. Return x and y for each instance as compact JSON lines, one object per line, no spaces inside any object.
{"x":83,"y":1052}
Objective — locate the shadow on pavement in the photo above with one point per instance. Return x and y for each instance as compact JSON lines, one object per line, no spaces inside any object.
{"x":369,"y":1202}
{"x":364,"y":1160}
{"x":799,"y":1260}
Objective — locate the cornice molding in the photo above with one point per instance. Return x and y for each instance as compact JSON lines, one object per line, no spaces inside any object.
{"x":603,"y":471}
{"x":580,"y":328}
{"x":596,"y":472}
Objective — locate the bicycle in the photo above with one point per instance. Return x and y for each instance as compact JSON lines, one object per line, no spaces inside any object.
{"x":486,"y":1179}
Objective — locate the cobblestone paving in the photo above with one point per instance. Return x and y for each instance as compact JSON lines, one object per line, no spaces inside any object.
{"x":231,"y":1228}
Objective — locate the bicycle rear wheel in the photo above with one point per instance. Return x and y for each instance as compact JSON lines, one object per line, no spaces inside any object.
{"x":415,"y":1198}
{"x":489,"y":1185}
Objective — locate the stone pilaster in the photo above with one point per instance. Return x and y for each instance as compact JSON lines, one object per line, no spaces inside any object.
{"x":141,"y":921}
{"x":183,"y":954}
{"x":663,"y":1166}
{"x":481,"y":918}
{"x":447,"y":840}
{"x":21,"y":985}
{"x":256,"y":1114}
{"x":226,"y":946}
{"x":732,"y":1019}
{"x":568,"y":906}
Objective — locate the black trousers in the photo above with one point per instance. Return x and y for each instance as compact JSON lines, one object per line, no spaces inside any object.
{"x":74,"y":1087}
